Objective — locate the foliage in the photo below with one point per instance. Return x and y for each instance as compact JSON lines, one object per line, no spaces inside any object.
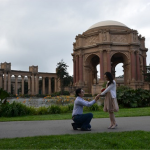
{"x":128,"y":97}
{"x":42,"y":110}
{"x":104,"y":84}
{"x":70,"y":107}
{"x":54,"y":109}
{"x":62,"y":73}
{"x":14,"y":109}
{"x":3,"y":95}
{"x":68,"y":80}
{"x":94,"y":107}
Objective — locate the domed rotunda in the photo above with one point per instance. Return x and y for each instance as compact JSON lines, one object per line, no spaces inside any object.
{"x":108,"y":43}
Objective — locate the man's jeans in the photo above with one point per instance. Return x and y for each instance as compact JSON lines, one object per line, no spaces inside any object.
{"x":83,"y":121}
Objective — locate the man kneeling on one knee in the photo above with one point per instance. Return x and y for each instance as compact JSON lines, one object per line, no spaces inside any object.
{"x":82,"y":120}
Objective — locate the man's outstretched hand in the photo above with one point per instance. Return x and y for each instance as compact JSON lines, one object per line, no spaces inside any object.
{"x":97,"y":97}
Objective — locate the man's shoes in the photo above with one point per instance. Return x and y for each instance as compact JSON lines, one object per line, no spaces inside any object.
{"x":88,"y":129}
{"x":74,"y":126}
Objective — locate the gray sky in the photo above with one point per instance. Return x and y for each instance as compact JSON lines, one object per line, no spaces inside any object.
{"x":41,"y":32}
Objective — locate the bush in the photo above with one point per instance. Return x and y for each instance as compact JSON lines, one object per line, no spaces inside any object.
{"x":128,"y":97}
{"x":94,"y":107}
{"x":42,"y":110}
{"x":54,"y":109}
{"x":14,"y":109}
{"x":70,"y":107}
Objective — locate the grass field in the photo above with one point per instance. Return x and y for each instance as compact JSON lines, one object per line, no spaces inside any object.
{"x":121,"y":140}
{"x":124,"y":112}
{"x":115,"y":140}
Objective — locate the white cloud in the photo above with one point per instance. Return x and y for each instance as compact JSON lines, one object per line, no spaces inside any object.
{"x":41,"y":32}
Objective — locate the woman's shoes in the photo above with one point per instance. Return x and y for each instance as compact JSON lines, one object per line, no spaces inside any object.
{"x":110,"y":127}
{"x":114,"y":126}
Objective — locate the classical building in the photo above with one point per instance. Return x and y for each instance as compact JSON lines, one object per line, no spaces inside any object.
{"x":15,"y":78}
{"x":108,"y":43}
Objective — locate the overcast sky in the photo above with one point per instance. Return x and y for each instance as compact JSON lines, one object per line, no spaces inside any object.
{"x":42,"y":32}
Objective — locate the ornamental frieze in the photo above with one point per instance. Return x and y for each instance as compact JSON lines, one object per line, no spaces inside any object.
{"x":91,"y":40}
{"x":119,"y":38}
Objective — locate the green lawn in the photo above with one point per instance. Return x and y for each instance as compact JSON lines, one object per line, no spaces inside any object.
{"x":117,"y":140}
{"x":124,"y":112}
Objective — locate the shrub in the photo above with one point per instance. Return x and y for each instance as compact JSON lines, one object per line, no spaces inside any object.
{"x":64,"y":109}
{"x":128,"y":97}
{"x":14,"y":109}
{"x":94,"y":107}
{"x":54,"y":109}
{"x":143,"y":97}
{"x":42,"y":110}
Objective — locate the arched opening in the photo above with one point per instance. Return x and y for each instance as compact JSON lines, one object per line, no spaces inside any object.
{"x":119,"y":74}
{"x":120,"y":68}
{"x":98,"y":72}
{"x":92,"y":72}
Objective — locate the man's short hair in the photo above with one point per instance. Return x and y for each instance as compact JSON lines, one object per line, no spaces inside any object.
{"x":78,"y":91}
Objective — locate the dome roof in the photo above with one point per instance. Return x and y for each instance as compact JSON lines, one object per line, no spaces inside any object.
{"x":107,"y":23}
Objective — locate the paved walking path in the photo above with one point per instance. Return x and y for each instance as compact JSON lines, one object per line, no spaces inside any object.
{"x":57,"y":127}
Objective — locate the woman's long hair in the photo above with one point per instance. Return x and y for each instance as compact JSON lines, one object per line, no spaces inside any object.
{"x":109,"y":77}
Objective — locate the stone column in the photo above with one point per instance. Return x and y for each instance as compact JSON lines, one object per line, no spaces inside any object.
{"x":138,"y":66}
{"x":22,"y":85}
{"x":37,"y":84}
{"x":141,"y":73}
{"x":144,"y":61}
{"x":77,"y":69}
{"x":5,"y":81}
{"x":55,"y":84}
{"x":16,"y":84}
{"x":49,"y":85}
{"x":101,"y":66}
{"x":43,"y":85}
{"x":74,"y":71}
{"x":29,"y":82}
{"x":81,"y":68}
{"x":33,"y":84}
{"x":132,"y":65}
{"x":1,"y":80}
{"x":9,"y":83}
{"x":108,"y":61}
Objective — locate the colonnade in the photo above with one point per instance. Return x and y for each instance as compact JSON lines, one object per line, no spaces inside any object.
{"x":32,"y":79}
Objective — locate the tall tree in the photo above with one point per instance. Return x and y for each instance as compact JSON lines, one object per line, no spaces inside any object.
{"x":62,"y":73}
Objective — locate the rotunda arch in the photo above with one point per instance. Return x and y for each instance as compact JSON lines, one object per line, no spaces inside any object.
{"x":90,"y":69}
{"x":121,"y":58}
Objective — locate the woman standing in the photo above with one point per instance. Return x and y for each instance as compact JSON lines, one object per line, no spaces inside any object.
{"x":110,"y":102}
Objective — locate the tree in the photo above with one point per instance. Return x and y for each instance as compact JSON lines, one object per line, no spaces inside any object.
{"x":68,"y":80}
{"x":146,"y":73}
{"x":62,"y":73}
{"x":3,"y":96}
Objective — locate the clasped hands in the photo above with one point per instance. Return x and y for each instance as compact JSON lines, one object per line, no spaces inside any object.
{"x":98,"y":96}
